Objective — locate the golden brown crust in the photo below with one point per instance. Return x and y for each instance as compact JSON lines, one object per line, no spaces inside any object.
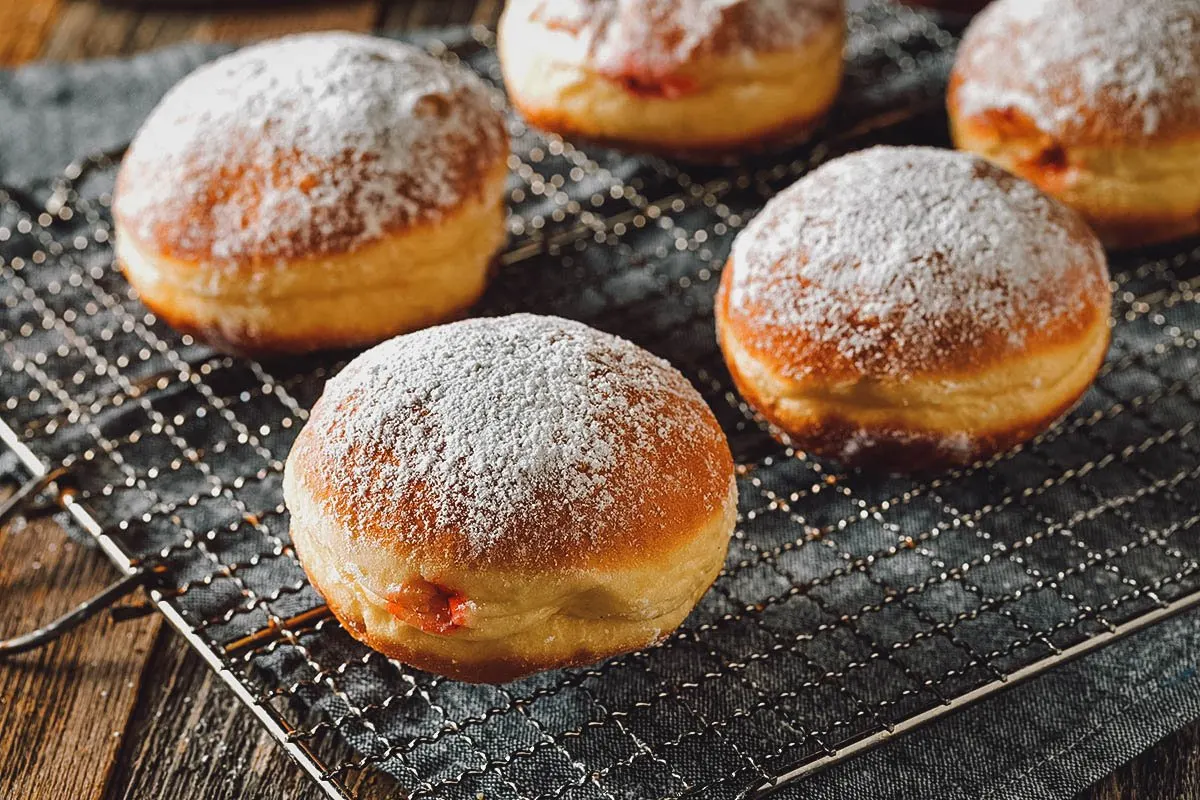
{"x":1086,"y":72}
{"x":1131,"y":195}
{"x":429,"y":273}
{"x":1139,"y":230}
{"x":252,"y":341}
{"x":963,"y":338}
{"x":497,"y":669}
{"x":791,"y":350}
{"x":624,"y":79}
{"x":488,"y":618}
{"x":306,"y":146}
{"x":190,"y":232}
{"x":895,"y":447}
{"x":909,"y":309}
{"x":650,"y":498}
{"x":241,"y":340}
{"x":644,"y":42}
{"x":713,"y":151}
{"x":650,"y":517}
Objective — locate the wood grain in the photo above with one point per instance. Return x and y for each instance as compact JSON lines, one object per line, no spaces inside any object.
{"x":128,"y":711}
{"x":190,"y":738}
{"x":63,"y":709}
{"x":69,"y":30}
{"x":406,"y":16}
{"x":90,"y":29}
{"x":1170,"y":769}
{"x":24,"y":26}
{"x":266,"y":22}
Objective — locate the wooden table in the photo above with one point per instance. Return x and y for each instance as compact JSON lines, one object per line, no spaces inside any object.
{"x":128,"y":711}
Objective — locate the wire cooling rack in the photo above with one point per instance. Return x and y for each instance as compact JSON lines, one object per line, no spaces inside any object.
{"x":851,"y":608}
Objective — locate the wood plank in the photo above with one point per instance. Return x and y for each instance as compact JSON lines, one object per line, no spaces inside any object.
{"x":90,"y":29}
{"x":278,"y":20}
{"x":1169,"y":769}
{"x":191,"y":738}
{"x":63,"y":709}
{"x":81,"y":29}
{"x":157,"y":29}
{"x":401,"y":15}
{"x":487,"y":12}
{"x":24,"y":27}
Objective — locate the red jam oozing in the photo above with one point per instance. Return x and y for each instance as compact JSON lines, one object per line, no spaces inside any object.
{"x":1051,"y":168}
{"x":1045,"y":162}
{"x":460,"y":610}
{"x":429,"y":607}
{"x":667,"y":87}
{"x":645,"y":80}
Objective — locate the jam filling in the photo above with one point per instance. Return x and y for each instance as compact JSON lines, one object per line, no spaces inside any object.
{"x":429,"y":606}
{"x":646,"y":84}
{"x":667,"y":88}
{"x":1047,"y":163}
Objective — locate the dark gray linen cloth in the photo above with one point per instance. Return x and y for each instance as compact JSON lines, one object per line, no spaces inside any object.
{"x":1047,"y":738}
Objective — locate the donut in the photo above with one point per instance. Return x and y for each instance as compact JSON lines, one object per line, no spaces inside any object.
{"x":700,"y":78}
{"x":1097,"y":102}
{"x":494,"y":497}
{"x":911,"y":309}
{"x":317,"y":191}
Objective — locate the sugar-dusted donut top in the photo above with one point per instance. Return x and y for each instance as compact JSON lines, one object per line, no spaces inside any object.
{"x":1088,"y":71}
{"x":894,"y":263}
{"x":658,"y":37}
{"x":307,"y":145}
{"x":522,"y":441}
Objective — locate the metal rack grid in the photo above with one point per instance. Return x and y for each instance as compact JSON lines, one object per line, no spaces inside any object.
{"x":850,"y":609}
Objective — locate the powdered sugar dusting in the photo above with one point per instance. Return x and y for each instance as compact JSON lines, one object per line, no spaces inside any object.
{"x":312,"y":143}
{"x":1049,"y":59}
{"x":499,"y":422}
{"x":896,"y":256}
{"x":661,"y":35}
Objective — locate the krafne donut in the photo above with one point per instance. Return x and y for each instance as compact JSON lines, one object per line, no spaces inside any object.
{"x":693,"y":77}
{"x":494,"y":497}
{"x":1095,"y":101}
{"x":913,"y":308}
{"x":316,"y":191}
